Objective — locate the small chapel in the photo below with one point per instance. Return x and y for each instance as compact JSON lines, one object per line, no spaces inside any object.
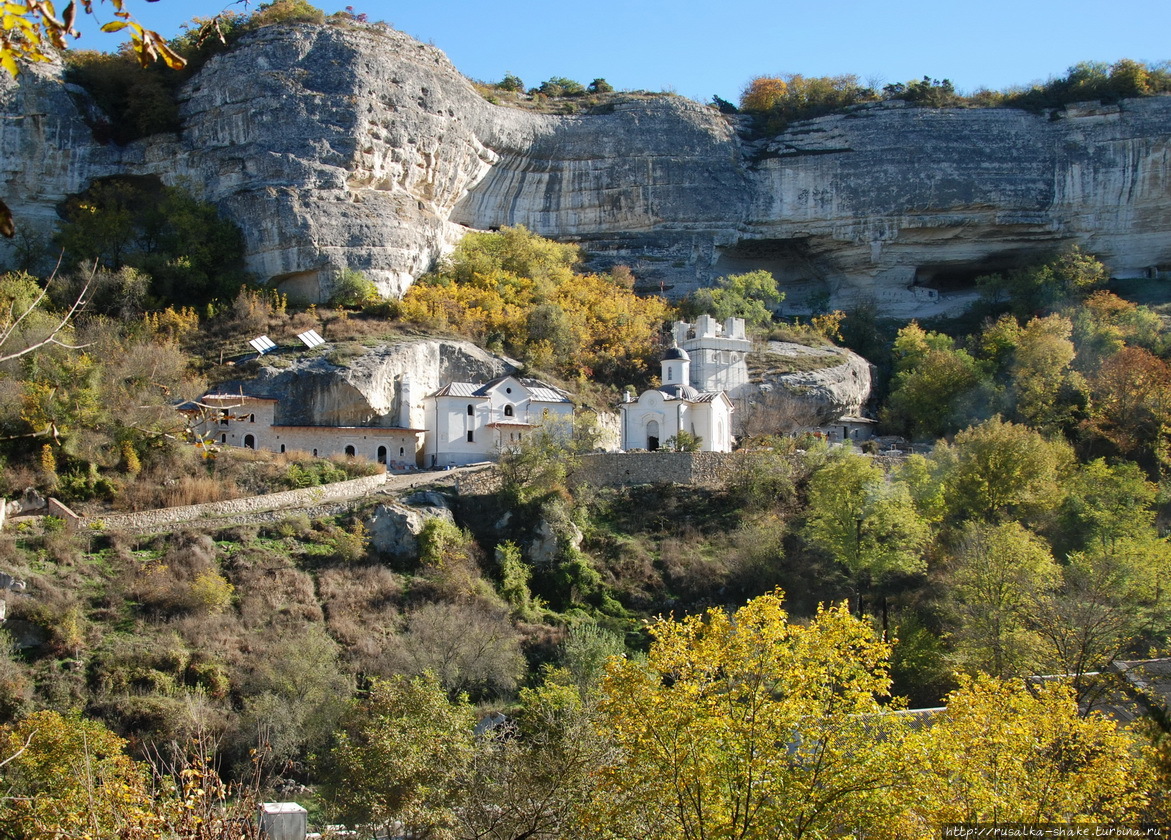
{"x":661,"y":413}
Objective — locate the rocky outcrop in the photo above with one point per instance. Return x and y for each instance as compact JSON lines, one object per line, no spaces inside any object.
{"x":384,"y":386}
{"x":394,"y":528}
{"x":356,"y":146}
{"x":793,"y":386}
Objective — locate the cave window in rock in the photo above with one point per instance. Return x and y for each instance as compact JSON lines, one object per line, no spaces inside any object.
{"x":652,"y":436}
{"x":249,"y":442}
{"x":382,"y":454}
{"x":350,"y":451}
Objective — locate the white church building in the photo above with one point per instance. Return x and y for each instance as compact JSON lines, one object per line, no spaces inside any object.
{"x":466,"y":422}
{"x":676,"y":406}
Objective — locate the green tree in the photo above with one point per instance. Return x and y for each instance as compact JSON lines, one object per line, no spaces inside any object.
{"x":999,"y":470}
{"x":1045,"y":388}
{"x":935,"y":386}
{"x":749,"y":296}
{"x":352,"y":288}
{"x":400,"y":758}
{"x":999,"y":578}
{"x":748,"y":725}
{"x":1056,"y":284}
{"x":868,"y":523}
{"x":291,"y":712}
{"x":531,"y":777}
{"x":1109,"y":602}
{"x":511,"y":83}
{"x":191,"y":254}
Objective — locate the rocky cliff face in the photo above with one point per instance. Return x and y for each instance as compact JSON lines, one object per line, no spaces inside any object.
{"x":792,"y":386}
{"x":358,"y":146}
{"x":382,"y":387}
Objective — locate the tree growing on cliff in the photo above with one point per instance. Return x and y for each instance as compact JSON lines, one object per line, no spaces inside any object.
{"x":750,"y":296}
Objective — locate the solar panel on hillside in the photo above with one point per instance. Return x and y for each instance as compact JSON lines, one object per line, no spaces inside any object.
{"x":311,"y":339}
{"x":262,"y":344}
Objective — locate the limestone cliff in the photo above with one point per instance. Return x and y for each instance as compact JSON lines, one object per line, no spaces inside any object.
{"x":383,"y":387}
{"x":357,"y":146}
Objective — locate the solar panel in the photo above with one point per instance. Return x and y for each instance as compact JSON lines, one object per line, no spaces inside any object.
{"x":262,"y":344}
{"x":311,"y":339}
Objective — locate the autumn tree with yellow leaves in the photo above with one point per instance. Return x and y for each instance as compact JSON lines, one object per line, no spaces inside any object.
{"x":519,"y":293}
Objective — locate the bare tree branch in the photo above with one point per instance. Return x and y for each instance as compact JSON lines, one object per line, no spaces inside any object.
{"x":77,"y":306}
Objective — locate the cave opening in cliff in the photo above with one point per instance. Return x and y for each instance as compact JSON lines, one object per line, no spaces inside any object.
{"x":960,"y":276}
{"x":790,"y":260}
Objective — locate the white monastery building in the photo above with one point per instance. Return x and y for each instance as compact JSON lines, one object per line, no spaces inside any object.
{"x":676,"y":406}
{"x":467,"y":423}
{"x":248,"y":421}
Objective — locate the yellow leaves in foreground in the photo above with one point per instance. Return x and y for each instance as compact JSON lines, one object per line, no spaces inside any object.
{"x":747,"y":725}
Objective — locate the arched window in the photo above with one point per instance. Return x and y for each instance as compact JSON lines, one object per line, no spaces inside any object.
{"x":401,"y":451}
{"x":314,"y":453}
{"x":382,"y":454}
{"x":249,"y":442}
{"x":652,"y":435}
{"x":282,"y":449}
{"x":507,"y":411}
{"x":251,"y":418}
{"x":471,"y":411}
{"x":350,"y":451}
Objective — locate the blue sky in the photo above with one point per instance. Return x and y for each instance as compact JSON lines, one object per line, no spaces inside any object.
{"x":698,"y":49}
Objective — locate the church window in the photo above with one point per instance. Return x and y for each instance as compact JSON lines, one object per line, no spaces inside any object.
{"x":249,"y":442}
{"x":507,"y":411}
{"x":471,"y":436}
{"x":471,"y":411}
{"x":382,"y":454}
{"x":670,"y":374}
{"x":350,"y":450}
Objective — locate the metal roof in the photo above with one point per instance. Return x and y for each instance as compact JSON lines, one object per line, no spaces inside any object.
{"x":458,"y":389}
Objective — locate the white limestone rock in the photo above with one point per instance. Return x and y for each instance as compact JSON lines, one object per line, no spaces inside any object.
{"x":394,"y":528}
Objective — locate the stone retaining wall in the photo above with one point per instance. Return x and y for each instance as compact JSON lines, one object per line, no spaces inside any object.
{"x":305,"y":497}
{"x":699,"y":469}
{"x":479,"y":483}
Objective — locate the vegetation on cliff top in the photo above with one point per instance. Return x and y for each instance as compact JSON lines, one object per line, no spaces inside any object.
{"x":777,"y":101}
